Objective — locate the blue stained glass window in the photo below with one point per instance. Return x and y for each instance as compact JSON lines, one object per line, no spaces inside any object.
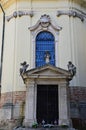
{"x":45,"y":42}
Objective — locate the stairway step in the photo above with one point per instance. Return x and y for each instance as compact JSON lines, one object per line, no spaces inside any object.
{"x":57,"y":128}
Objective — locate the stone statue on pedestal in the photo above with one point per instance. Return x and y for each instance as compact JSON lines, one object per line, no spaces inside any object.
{"x":24,"y":67}
{"x":71,"y":68}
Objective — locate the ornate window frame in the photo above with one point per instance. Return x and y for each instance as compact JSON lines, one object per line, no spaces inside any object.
{"x":44,"y":24}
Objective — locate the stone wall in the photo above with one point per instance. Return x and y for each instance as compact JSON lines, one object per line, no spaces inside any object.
{"x":78,"y":93}
{"x":77,"y":100}
{"x":12,"y":104}
{"x":78,"y":107}
{"x":12,"y":97}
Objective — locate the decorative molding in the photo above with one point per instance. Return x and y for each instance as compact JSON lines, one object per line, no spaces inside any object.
{"x":44,"y":22}
{"x":45,"y":19}
{"x":8,"y":3}
{"x":72,"y":13}
{"x":19,"y":14}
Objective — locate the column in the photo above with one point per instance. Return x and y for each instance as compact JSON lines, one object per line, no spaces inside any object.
{"x":30,"y":117}
{"x":64,"y":118}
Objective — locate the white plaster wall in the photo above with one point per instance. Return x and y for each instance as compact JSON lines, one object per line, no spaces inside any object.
{"x":71,"y":45}
{"x":80,"y":40}
{"x":22,"y":53}
{"x":9,"y":57}
{"x":64,"y":42}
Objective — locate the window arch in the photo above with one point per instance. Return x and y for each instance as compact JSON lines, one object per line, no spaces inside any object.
{"x":45,"y":46}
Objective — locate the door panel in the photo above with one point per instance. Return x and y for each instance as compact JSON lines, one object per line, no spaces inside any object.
{"x":47,"y":103}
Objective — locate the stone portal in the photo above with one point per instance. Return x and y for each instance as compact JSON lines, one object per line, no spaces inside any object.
{"x":47,"y":93}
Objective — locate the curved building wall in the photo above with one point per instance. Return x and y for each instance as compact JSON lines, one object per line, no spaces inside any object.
{"x":18,"y":40}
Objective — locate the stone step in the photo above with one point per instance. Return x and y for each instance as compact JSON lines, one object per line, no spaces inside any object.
{"x":39,"y":129}
{"x":57,"y":128}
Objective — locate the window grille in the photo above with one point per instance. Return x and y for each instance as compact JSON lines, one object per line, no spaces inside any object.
{"x":45,"y":42}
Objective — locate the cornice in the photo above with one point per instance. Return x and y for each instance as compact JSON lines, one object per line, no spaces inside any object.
{"x":70,"y":12}
{"x":7,"y":3}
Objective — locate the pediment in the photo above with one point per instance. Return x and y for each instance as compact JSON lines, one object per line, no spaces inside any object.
{"x":47,"y":71}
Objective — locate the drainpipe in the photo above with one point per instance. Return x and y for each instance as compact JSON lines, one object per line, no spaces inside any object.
{"x":2,"y":46}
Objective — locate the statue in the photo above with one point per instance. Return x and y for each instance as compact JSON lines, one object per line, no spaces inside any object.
{"x":47,"y":57}
{"x":24,"y":67}
{"x":71,"y":68}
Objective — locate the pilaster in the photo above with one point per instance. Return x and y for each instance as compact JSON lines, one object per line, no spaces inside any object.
{"x":64,"y":118}
{"x":30,"y":117}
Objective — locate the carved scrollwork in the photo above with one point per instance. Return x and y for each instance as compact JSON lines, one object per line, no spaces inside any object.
{"x":19,"y":14}
{"x":72,"y":13}
{"x":45,"y":20}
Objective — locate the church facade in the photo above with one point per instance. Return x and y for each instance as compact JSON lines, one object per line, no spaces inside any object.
{"x":45,"y":36}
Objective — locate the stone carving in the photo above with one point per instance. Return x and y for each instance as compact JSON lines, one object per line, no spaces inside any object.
{"x":47,"y":57}
{"x":24,"y":67}
{"x":71,"y":68}
{"x":19,"y":14}
{"x":71,"y":13}
{"x":45,"y":20}
{"x":43,"y":23}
